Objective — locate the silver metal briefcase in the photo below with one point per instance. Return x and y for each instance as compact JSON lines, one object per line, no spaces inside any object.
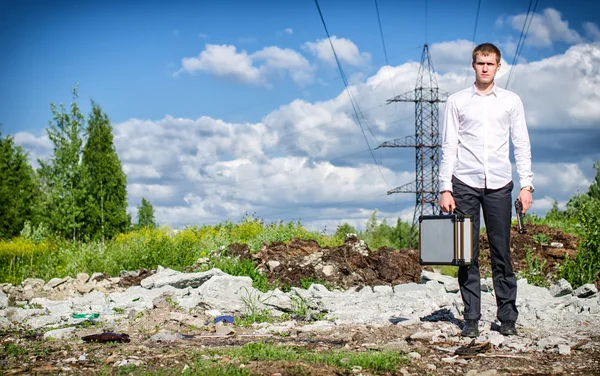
{"x":445,"y":239}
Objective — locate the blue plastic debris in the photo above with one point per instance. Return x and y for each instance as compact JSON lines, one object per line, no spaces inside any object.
{"x":226,"y":318}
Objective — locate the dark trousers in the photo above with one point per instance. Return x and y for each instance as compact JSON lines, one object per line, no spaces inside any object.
{"x":497,"y":207}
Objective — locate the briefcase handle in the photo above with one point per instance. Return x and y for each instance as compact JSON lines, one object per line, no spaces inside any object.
{"x":456,"y":211}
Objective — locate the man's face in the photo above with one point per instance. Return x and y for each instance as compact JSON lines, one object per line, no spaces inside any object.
{"x":485,"y":68}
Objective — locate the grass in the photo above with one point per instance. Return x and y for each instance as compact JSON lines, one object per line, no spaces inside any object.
{"x":535,"y":269}
{"x":32,"y":257}
{"x":232,"y":360}
{"x":35,"y":256}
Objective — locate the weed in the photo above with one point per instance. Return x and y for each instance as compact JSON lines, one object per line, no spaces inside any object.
{"x":171,"y":302}
{"x":301,"y":306}
{"x":541,"y":239}
{"x":535,"y":269}
{"x":254,"y":304}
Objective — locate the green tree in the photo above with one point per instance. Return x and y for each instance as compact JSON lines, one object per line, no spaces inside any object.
{"x":106,"y":204}
{"x":343,"y":230}
{"x":401,"y":235}
{"x":594,"y":190}
{"x":19,"y":189}
{"x":63,"y":179}
{"x":145,"y":214}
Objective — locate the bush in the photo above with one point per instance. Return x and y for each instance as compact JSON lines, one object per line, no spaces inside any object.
{"x":585,"y":266}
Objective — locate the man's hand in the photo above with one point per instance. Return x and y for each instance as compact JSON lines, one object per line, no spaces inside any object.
{"x":447,"y":203}
{"x":526,"y":199}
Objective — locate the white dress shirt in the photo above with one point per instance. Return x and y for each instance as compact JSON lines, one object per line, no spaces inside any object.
{"x":475,"y":139}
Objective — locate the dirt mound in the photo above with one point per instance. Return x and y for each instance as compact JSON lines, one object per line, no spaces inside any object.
{"x":353,"y":265}
{"x":547,"y":244}
{"x":350,"y":265}
{"x":129,"y":279}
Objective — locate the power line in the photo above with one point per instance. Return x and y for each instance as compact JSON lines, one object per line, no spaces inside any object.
{"x":473,"y":41}
{"x":387,"y":62}
{"x":522,"y":38}
{"x":354,"y":105}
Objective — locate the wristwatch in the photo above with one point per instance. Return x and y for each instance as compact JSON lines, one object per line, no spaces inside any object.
{"x":529,"y":188}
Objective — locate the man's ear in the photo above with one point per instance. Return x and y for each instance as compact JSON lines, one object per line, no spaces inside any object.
{"x":499,"y":65}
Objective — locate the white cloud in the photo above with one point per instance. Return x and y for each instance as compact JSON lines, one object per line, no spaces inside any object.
{"x":309,"y":160}
{"x":346,"y":51}
{"x":276,"y":59}
{"x":591,"y":31}
{"x":546,"y":28}
{"x":556,"y":91}
{"x":37,"y":147}
{"x":256,"y":68}
{"x":570,"y":179}
{"x":224,"y":61}
{"x":289,"y":31}
{"x":454,"y":56}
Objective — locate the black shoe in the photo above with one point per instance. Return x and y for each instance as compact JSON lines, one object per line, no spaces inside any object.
{"x":471,"y":329}
{"x":508,"y":328}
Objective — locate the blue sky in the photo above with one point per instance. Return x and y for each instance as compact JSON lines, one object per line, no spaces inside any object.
{"x":216,"y":104}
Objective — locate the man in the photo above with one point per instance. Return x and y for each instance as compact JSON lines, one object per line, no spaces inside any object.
{"x":476,"y":173}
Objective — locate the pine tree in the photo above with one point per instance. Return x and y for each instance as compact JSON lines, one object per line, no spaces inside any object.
{"x":19,"y":189}
{"x":106,"y":206}
{"x":62,"y":177}
{"x":145,"y":214}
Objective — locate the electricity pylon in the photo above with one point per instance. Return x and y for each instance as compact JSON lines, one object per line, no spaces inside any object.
{"x":426,"y":141}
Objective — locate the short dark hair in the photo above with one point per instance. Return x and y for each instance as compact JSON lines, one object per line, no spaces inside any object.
{"x":487,"y":49}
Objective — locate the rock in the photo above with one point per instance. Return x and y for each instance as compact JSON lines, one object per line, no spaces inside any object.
{"x":586,"y":291}
{"x":311,"y":259}
{"x":138,"y":298}
{"x":414,"y":355}
{"x":231,"y":295}
{"x":564,"y":349}
{"x":63,"y":333}
{"x":426,"y":335}
{"x":383,"y":290}
{"x":55,"y":282}
{"x":213,"y":312}
{"x":450,"y":283}
{"x":550,"y":342}
{"x":96,"y":277}
{"x":3,"y":300}
{"x":168,"y":277}
{"x":561,"y":288}
{"x":223,"y":329}
{"x":272,"y":264}
{"x":164,"y":300}
{"x":33,"y":284}
{"x":83,"y":277}
{"x":328,"y":270}
{"x":495,"y":338}
{"x":166,"y":336}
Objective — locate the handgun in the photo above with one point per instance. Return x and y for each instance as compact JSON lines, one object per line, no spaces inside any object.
{"x":520,"y":215}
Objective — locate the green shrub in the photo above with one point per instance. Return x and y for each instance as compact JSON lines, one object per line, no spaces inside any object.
{"x":585,"y":266}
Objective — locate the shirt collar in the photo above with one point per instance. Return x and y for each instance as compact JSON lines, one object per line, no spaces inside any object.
{"x":494,"y":90}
